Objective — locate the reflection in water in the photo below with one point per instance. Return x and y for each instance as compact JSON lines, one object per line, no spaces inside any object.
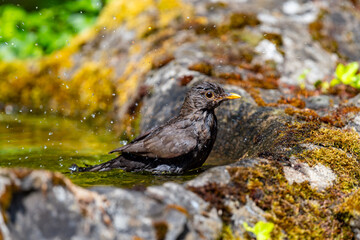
{"x":55,"y":143}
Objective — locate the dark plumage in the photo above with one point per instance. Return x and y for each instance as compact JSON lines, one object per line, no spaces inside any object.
{"x":181,"y":144}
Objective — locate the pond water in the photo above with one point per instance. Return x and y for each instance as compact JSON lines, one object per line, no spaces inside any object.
{"x":54,"y":143}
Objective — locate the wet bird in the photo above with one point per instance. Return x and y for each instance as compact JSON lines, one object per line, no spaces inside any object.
{"x":181,"y":144}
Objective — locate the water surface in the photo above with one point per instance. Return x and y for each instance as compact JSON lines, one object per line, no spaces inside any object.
{"x":54,"y":143}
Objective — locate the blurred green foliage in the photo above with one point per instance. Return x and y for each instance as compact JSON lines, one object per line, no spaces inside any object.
{"x":262,"y":230}
{"x":33,"y":34}
{"x":346,"y":74}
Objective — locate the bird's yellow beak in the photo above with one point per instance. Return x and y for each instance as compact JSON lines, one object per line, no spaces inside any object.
{"x":232,"y":96}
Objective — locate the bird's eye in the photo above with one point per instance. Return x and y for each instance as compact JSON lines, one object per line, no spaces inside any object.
{"x":209,"y":94}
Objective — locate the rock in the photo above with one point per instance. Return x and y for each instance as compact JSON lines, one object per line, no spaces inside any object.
{"x":318,"y":102}
{"x":249,"y":213}
{"x":294,"y":156}
{"x":319,"y":176}
{"x":239,"y":122}
{"x":43,"y":205}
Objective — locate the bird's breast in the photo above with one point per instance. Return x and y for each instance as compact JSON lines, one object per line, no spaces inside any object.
{"x":207,"y":129}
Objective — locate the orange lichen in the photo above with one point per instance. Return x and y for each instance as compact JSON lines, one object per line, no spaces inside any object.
{"x":296,"y":102}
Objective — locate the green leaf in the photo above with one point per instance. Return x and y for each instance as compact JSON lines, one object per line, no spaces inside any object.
{"x":325,"y":86}
{"x":356,"y":83}
{"x":262,"y":230}
{"x":335,"y":82}
{"x":304,"y":74}
{"x":248,"y":228}
{"x":350,"y":71}
{"x":340,"y":70}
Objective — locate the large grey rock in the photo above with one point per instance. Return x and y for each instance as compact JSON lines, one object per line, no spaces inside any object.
{"x":44,"y":205}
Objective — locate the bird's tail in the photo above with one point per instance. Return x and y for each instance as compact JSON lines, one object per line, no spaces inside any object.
{"x":117,"y":163}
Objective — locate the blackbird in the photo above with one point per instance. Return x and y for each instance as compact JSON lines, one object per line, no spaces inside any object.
{"x":181,"y":144}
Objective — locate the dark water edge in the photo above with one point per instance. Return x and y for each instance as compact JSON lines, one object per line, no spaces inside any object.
{"x":54,"y":143}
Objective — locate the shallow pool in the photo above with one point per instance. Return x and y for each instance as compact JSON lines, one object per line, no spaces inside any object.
{"x":54,"y":143}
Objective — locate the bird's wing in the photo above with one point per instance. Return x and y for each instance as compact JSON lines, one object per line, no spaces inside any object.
{"x":167,"y":142}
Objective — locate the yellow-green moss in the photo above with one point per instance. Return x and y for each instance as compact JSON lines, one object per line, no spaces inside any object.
{"x":240,"y":20}
{"x":351,"y":205}
{"x":227,"y":233}
{"x":92,"y":88}
{"x":346,"y":167}
{"x":347,"y":140}
{"x":297,"y":209}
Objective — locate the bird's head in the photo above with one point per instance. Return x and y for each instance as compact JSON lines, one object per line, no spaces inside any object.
{"x":205,"y":96}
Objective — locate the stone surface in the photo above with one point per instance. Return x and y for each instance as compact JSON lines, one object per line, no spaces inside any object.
{"x":44,"y":205}
{"x":319,"y":176}
{"x":269,"y":136}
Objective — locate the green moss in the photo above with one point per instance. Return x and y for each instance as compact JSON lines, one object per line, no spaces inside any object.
{"x":247,"y":36}
{"x":227,"y":233}
{"x":240,"y":20}
{"x":297,"y":209}
{"x":350,"y":206}
{"x":346,"y":167}
{"x":347,"y":140}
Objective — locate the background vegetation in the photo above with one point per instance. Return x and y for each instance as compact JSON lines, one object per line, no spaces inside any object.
{"x":42,"y":27}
